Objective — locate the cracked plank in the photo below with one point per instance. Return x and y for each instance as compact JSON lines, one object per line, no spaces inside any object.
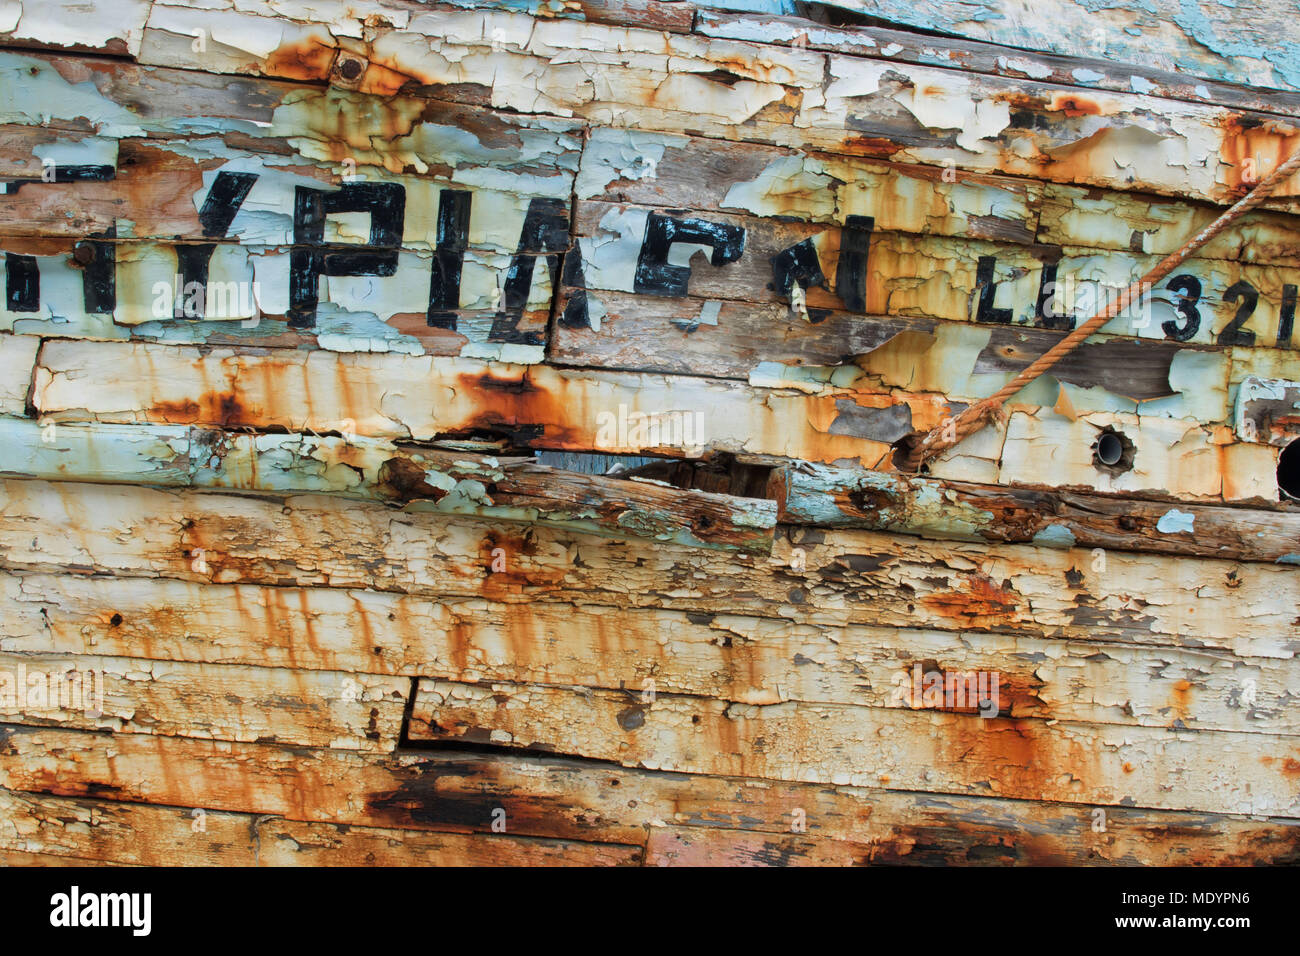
{"x":816,"y":576}
{"x":732,"y":657}
{"x":547,"y":797}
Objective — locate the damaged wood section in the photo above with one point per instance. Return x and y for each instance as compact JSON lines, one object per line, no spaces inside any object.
{"x":539,"y":407}
{"x":418,"y":478}
{"x":584,"y":801}
{"x":1200,"y":40}
{"x":821,"y":577}
{"x":463,"y":432}
{"x":944,"y":753}
{"x":1096,"y":64}
{"x":643,"y":652}
{"x":128,"y":695}
{"x":637,"y":78}
{"x":829,"y":497}
{"x":76,"y":831}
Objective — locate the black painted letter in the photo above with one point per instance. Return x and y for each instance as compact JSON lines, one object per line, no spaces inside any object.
{"x":312,"y":257}
{"x":654,"y":276}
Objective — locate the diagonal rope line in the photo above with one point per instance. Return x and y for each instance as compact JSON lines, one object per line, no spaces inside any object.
{"x":916,"y":453}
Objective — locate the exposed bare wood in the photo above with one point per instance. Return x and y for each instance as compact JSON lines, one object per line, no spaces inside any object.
{"x":134,"y":695}
{"x":73,"y":831}
{"x":414,"y":477}
{"x":828,"y":577}
{"x":732,"y":657}
{"x":829,"y":497}
{"x":579,"y":800}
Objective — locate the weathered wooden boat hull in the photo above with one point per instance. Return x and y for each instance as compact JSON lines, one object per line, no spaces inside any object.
{"x":465,"y":433}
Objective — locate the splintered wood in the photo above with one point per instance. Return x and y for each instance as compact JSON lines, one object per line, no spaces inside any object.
{"x":463,"y":433}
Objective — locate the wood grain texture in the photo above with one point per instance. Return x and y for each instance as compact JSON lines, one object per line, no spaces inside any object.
{"x":133,"y":695}
{"x":829,"y":497}
{"x":733,"y":657}
{"x":820,"y":576}
{"x":78,"y":831}
{"x":513,"y":488}
{"x":902,"y":749}
{"x":562,"y":799}
{"x":522,"y":491}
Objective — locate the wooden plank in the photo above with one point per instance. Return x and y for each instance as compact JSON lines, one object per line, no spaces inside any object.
{"x":710,"y":176}
{"x":829,"y":497}
{"x":700,"y":846}
{"x":419,"y":479}
{"x":423,"y":398}
{"x":859,"y":746}
{"x":738,"y":90}
{"x":1196,"y":40}
{"x":932,"y":277}
{"x":111,"y":832}
{"x":1088,"y":68}
{"x":563,"y":799}
{"x":732,"y":657}
{"x":223,"y":702}
{"x":17,"y":363}
{"x":827,"y":577}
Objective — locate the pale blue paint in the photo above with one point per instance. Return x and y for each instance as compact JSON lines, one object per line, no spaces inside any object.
{"x":1055,"y":536}
{"x":1174,"y":521}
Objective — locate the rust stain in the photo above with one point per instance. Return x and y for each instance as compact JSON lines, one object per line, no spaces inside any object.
{"x":978,"y":602}
{"x":1251,"y":149}
{"x":1180,"y":699}
{"x":871,"y":146}
{"x":308,"y":60}
{"x":1290,"y":766}
{"x":513,"y":403}
{"x":1072,"y":104}
{"x":224,"y":408}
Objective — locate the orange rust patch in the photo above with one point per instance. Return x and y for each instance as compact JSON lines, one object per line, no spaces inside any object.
{"x":979,"y":602}
{"x":870,"y":146}
{"x":513,"y":402}
{"x":211,"y":408}
{"x":1017,"y":694}
{"x":1180,"y":700}
{"x":1251,"y":150}
{"x":1072,"y":104}
{"x":309,"y":60}
{"x":384,"y":81}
